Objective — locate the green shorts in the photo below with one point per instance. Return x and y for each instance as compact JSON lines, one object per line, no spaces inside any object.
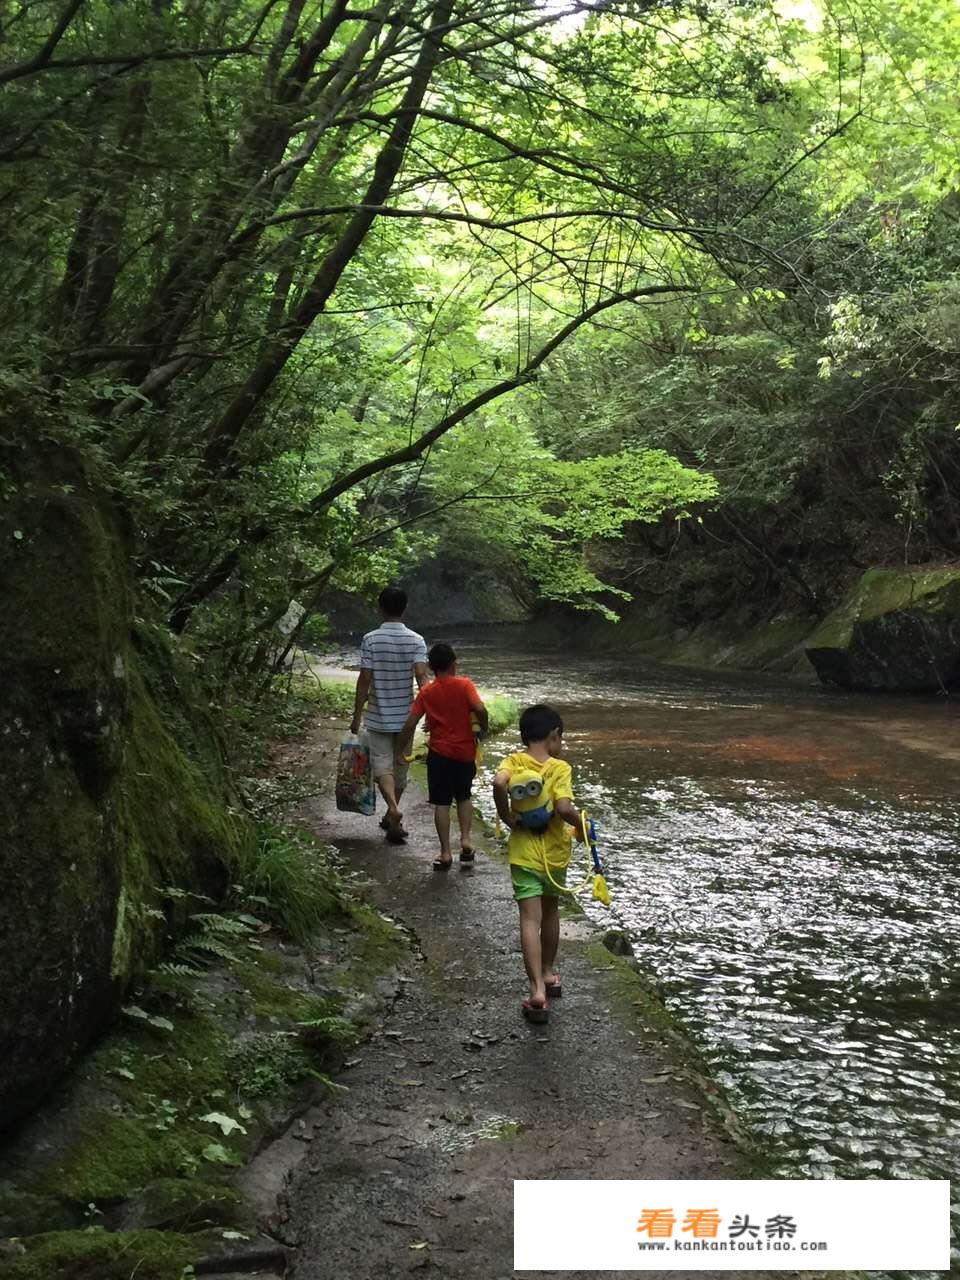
{"x":534,"y":884}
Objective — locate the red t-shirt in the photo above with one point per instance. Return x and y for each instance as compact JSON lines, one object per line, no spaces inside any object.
{"x":447,"y":702}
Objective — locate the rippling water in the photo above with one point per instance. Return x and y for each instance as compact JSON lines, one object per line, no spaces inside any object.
{"x":786,"y":861}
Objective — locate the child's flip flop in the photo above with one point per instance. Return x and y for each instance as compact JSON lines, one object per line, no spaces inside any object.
{"x":554,"y":989}
{"x":535,"y":1010}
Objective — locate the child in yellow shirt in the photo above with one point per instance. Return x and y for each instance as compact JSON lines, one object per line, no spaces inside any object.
{"x":533,"y":791}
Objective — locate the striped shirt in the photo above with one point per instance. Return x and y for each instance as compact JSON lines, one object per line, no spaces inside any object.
{"x":390,"y":653}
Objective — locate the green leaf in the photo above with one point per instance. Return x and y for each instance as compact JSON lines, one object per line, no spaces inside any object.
{"x":227,"y":1124}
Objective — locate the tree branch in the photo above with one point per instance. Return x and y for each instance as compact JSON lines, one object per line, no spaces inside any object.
{"x":214,"y":578}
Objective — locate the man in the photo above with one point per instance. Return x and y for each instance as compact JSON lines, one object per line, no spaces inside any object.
{"x":390,"y":659}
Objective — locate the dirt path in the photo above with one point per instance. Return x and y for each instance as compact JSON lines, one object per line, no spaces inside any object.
{"x":456,"y":1096}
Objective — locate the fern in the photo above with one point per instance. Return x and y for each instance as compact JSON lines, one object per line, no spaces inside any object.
{"x":210,"y":923}
{"x":211,"y":946}
{"x":177,"y":970}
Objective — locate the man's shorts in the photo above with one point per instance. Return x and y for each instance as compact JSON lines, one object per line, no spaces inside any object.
{"x":449,"y":780}
{"x":382,"y":757}
{"x":528,"y":883}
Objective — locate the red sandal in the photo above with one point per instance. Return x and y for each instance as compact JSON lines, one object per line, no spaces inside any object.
{"x":535,"y":1010}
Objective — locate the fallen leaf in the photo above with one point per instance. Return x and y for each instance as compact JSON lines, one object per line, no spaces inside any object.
{"x":412,"y":1084}
{"x":422,"y":1244}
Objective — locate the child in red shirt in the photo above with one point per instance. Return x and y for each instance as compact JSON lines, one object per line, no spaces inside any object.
{"x":452,"y":707}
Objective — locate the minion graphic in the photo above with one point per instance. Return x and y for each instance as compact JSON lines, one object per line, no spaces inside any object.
{"x":527,"y":801}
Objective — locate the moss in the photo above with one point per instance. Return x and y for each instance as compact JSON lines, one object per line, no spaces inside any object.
{"x":174,"y":828}
{"x":155,"y":1130}
{"x":184,"y":1204}
{"x":378,"y":947}
{"x":102,"y":1255}
{"x":272,"y":997}
{"x":24,"y":1213}
{"x":270,"y":1063}
{"x":64,"y":641}
{"x":885,"y":591}
{"x":114,"y":785}
{"x":898,"y":629}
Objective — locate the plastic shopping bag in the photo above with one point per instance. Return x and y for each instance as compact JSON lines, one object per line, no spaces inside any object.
{"x":355,"y":792}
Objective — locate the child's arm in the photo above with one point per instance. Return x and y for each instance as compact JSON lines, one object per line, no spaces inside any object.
{"x":483,"y":717}
{"x":569,"y":813}
{"x":501,"y":798}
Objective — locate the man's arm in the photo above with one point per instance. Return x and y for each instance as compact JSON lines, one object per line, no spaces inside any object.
{"x":420,"y":674}
{"x":405,"y":738}
{"x":501,"y":798}
{"x":569,"y":813}
{"x":364,"y":683}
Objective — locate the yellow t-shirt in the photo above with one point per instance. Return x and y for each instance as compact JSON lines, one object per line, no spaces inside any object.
{"x":530,"y":848}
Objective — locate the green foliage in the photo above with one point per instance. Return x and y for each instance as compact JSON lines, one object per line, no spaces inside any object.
{"x":271,"y":1062}
{"x":96,"y":1254}
{"x":329,"y":697}
{"x":503,"y":711}
{"x":292,"y":878}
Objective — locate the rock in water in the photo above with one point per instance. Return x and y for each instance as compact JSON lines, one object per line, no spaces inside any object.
{"x":898,"y":629}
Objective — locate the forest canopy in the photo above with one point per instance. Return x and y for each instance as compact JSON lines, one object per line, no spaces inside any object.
{"x":605,"y":298}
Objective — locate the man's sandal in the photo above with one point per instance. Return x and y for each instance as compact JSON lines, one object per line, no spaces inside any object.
{"x":440,"y":865}
{"x":554,"y":989}
{"x":468,"y":855}
{"x":535,"y":1010}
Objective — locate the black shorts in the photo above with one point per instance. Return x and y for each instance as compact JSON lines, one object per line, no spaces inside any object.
{"x":449,"y":780}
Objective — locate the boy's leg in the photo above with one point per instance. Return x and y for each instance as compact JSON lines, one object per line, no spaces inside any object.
{"x":549,"y":936}
{"x":531,"y":915}
{"x":441,"y":818}
{"x":465,"y":819}
{"x":440,"y":796}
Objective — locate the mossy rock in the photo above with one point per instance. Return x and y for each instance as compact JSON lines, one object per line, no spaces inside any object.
{"x":898,"y":629}
{"x":24,"y":1213}
{"x":102,"y":1255}
{"x":113,"y":788}
{"x":180,"y":1204}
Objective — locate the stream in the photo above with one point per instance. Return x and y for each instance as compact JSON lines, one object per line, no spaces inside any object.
{"x":785,"y":861}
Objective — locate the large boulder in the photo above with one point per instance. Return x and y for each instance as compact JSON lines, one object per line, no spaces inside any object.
{"x":898,"y":629}
{"x":111,"y":784}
